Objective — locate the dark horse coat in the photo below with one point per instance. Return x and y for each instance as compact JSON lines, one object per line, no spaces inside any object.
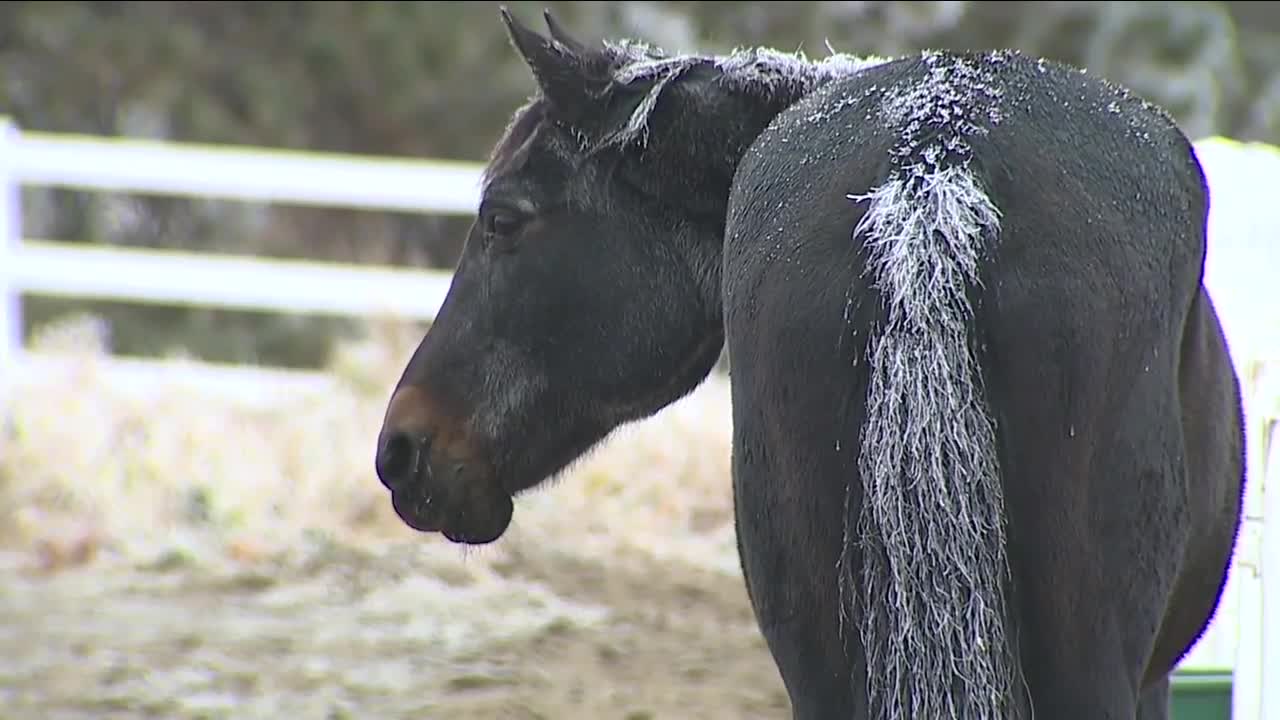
{"x":987,"y":452}
{"x":1043,"y":483}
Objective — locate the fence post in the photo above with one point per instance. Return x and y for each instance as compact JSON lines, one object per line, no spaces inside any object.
{"x":1270,"y":556}
{"x":10,"y":237}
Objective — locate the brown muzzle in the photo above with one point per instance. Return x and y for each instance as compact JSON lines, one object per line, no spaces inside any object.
{"x":438,"y":482}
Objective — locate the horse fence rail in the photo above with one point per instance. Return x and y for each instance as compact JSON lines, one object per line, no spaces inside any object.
{"x":247,"y":174}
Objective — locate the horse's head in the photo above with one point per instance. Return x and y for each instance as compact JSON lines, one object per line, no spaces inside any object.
{"x":587,"y":293}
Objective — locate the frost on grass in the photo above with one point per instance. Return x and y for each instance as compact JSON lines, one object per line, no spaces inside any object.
{"x":455,"y":620}
{"x":269,"y":525}
{"x":199,"y":473}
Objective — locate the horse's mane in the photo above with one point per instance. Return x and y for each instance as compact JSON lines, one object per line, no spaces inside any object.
{"x":768,"y":73}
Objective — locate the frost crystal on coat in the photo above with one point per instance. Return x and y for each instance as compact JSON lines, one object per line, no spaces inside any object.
{"x":758,"y":70}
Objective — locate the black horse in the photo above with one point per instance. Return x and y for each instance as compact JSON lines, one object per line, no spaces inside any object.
{"x":988,"y":452}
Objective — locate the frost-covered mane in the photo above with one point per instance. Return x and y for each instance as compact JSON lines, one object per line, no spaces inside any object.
{"x":770,"y":75}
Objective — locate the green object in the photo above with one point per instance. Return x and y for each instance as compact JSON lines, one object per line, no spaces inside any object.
{"x":1201,"y":695}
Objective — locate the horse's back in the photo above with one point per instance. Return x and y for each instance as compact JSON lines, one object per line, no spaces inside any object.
{"x":1101,"y":200}
{"x":1114,"y":405}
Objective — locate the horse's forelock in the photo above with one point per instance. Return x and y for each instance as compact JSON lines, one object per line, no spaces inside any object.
{"x":513,"y":148}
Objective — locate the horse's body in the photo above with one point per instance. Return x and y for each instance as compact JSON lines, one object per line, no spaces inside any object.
{"x":988,"y":448}
{"x":1035,"y":343}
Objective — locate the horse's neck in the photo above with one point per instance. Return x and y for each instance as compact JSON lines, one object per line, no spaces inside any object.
{"x":760,"y":99}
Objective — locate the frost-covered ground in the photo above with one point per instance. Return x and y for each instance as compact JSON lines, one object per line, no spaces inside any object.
{"x":181,"y":555}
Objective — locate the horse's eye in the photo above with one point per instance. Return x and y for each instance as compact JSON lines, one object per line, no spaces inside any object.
{"x":501,"y":223}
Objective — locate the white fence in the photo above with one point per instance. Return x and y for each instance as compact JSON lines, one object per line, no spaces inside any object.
{"x":1242,"y":273}
{"x":156,"y":276}
{"x":1243,"y":270}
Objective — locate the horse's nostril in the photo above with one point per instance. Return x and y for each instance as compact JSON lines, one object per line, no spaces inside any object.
{"x":398,"y":458}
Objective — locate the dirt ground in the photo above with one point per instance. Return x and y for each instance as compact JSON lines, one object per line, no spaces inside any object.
{"x":181,"y":555}
{"x":382,"y":631}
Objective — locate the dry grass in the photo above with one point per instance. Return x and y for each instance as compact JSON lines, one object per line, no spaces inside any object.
{"x":88,"y":473}
{"x":285,"y":500}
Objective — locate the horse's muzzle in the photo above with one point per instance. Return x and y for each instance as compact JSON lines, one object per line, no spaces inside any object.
{"x":433,"y":490}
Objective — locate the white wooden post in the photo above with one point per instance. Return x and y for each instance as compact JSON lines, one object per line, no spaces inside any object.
{"x":1256,"y":676}
{"x":1247,"y":677}
{"x":10,"y":237}
{"x":1270,"y":561}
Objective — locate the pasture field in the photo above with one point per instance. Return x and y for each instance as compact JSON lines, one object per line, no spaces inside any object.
{"x":184,"y":556}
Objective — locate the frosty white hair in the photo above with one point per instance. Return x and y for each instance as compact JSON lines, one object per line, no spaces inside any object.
{"x":931,"y":522}
{"x":761,"y":70}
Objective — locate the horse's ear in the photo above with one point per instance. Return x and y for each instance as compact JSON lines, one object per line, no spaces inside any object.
{"x":560,"y":35}
{"x":563,"y":67}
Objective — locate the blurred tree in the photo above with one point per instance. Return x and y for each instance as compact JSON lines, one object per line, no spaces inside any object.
{"x":437,"y":79}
